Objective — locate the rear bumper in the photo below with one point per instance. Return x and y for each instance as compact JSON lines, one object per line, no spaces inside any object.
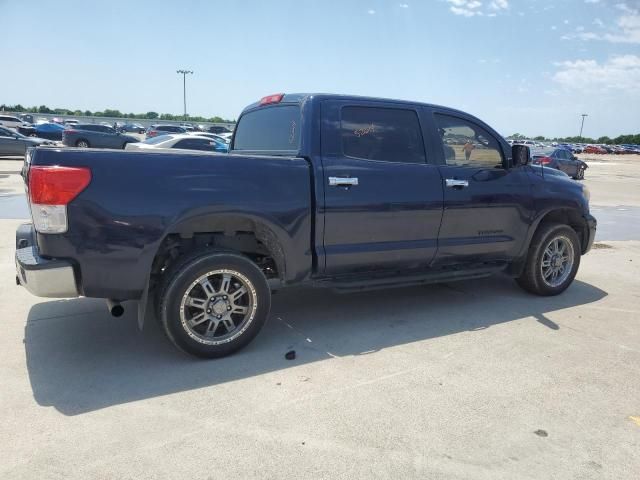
{"x":592,"y":224}
{"x":43,"y":277}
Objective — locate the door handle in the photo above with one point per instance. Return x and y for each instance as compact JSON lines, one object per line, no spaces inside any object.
{"x":343,"y":181}
{"x":454,"y":183}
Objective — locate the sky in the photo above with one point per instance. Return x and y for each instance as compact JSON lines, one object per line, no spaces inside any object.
{"x":526,"y":66}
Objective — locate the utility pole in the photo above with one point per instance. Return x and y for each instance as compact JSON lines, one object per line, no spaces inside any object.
{"x":581,"y":126}
{"x":184,"y":89}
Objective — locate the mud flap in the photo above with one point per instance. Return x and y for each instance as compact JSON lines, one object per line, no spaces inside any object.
{"x":144,"y":307}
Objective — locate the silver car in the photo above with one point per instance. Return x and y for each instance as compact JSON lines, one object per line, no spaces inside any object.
{"x":15,"y":144}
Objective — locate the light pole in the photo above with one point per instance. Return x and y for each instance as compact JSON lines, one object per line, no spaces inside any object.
{"x":581,"y":126}
{"x":184,"y":89}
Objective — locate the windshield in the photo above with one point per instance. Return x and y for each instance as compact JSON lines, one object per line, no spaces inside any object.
{"x":269,"y":129}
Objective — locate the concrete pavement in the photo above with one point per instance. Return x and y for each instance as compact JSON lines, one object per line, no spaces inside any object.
{"x":474,"y":380}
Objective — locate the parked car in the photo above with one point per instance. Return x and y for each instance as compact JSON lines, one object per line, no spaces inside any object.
{"x":50,"y":131}
{"x":132,"y":128}
{"x":560,"y":159}
{"x":10,"y":121}
{"x":85,"y":135}
{"x":219,"y":138}
{"x":26,"y":117}
{"x":182,"y":141}
{"x":218,"y":129}
{"x":326,"y":190}
{"x":157,"y":130}
{"x":14,"y":143}
{"x":70,"y":121}
{"x":27,"y":130}
{"x":594,"y":149}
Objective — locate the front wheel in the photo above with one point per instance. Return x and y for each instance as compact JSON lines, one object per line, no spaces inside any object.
{"x":214,"y":303}
{"x":580,"y":175}
{"x":552,"y":261}
{"x":82,"y":144}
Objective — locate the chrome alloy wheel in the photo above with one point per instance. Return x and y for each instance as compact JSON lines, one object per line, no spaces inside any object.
{"x":218,"y":307}
{"x":557,"y":261}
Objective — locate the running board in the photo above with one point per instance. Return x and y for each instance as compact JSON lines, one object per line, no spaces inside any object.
{"x":424,"y":278}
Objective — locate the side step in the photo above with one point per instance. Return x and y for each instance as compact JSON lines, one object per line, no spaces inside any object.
{"x":355,"y":284}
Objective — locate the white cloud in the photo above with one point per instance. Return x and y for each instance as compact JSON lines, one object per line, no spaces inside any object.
{"x":499,"y":5}
{"x":566,"y":22}
{"x":371,"y":12}
{"x":477,"y":8}
{"x":591,"y":1}
{"x":553,"y":27}
{"x":404,"y":5}
{"x":621,"y":72}
{"x":628,"y":29}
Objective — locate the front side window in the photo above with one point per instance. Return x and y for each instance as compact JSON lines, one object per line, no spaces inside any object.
{"x":269,"y":129}
{"x":467,"y":144}
{"x":386,"y":134}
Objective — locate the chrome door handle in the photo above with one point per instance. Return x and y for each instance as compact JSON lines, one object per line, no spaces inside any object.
{"x":343,"y":181}
{"x":453,"y":183}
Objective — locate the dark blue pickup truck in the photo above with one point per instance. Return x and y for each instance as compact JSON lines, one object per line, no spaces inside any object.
{"x":339,"y":191}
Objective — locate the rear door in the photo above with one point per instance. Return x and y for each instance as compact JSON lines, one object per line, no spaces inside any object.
{"x":8,"y":143}
{"x":383,"y":200}
{"x":487,"y":207}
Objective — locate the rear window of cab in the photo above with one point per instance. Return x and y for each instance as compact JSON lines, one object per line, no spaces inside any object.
{"x":269,"y":129}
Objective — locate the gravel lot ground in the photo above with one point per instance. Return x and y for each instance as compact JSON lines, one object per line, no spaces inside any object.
{"x":474,"y":380}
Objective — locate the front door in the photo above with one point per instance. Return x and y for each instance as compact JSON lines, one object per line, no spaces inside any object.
{"x":487,"y":207}
{"x":383,"y":200}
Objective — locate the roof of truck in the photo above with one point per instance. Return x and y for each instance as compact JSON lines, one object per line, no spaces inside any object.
{"x":302,"y":97}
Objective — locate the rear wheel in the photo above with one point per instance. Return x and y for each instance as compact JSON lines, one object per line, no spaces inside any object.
{"x":213,"y":304}
{"x":82,"y":144}
{"x":34,"y":134}
{"x":580,"y":174}
{"x":552,"y":261}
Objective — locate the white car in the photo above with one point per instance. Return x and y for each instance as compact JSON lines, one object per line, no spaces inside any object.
{"x":10,"y":121}
{"x":183,"y":141}
{"x":215,"y":136}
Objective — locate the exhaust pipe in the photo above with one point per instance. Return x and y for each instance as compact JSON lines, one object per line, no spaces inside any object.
{"x":115,"y":307}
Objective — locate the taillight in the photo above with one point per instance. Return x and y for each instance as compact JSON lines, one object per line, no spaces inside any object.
{"x":275,"y":98}
{"x":50,"y":190}
{"x":545,"y":160}
{"x":152,"y":133}
{"x":69,"y":130}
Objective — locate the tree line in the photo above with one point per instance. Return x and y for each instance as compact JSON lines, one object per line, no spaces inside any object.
{"x":620,"y":139}
{"x":110,"y":113}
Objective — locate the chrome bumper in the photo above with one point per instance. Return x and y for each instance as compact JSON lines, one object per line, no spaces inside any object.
{"x":43,"y":277}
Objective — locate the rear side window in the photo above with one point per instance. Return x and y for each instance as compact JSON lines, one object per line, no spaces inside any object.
{"x":170,"y":128}
{"x":387,"y":134}
{"x":195,"y":144}
{"x":269,"y":129}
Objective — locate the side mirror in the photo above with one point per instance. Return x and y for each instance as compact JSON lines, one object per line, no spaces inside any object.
{"x":520,"y":155}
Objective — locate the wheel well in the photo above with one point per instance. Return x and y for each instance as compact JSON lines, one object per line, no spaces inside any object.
{"x":256,"y":245}
{"x":572,"y":218}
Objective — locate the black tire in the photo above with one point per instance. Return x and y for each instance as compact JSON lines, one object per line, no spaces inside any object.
{"x":580,"y":175}
{"x":82,"y":143}
{"x":181,"y":281}
{"x":124,"y":145}
{"x":532,"y":279}
{"x":33,"y":134}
